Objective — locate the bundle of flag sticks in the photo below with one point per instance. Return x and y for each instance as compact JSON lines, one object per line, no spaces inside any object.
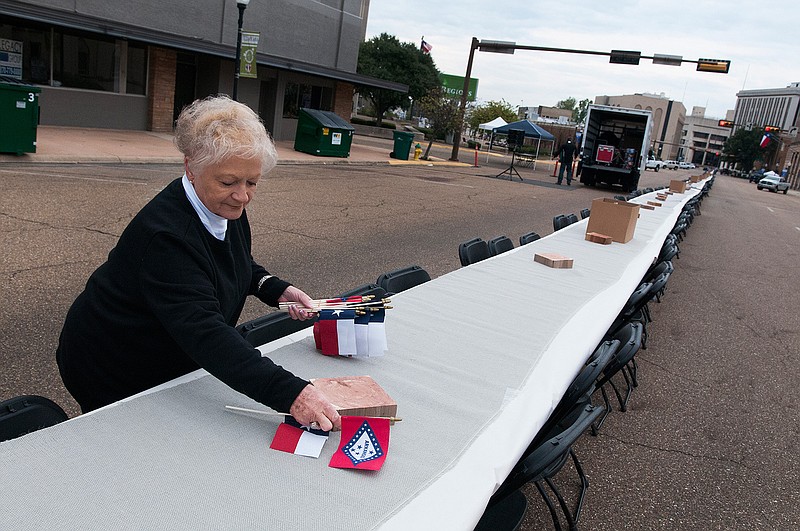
{"x":350,"y":326}
{"x":361,"y":304}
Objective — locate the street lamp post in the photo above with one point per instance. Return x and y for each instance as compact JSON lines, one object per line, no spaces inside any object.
{"x":242,"y":5}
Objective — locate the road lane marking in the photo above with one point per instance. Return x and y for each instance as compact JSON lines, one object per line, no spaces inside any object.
{"x":770,"y":209}
{"x":79,"y":177}
{"x":798,"y":228}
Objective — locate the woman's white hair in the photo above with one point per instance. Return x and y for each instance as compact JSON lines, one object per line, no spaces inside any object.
{"x":216,"y":128}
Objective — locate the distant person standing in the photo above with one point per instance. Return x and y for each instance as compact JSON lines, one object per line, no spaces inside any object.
{"x":567,"y":153}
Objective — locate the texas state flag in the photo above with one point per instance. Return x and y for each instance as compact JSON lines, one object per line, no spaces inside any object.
{"x":765,"y":140}
{"x":376,"y":334}
{"x":296,"y":439}
{"x":364,"y":443}
{"x":334,"y":332}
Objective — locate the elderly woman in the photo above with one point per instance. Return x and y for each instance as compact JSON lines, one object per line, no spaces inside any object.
{"x":167,"y":299}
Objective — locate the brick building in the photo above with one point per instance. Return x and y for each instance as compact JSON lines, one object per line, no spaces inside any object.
{"x":136,"y":64}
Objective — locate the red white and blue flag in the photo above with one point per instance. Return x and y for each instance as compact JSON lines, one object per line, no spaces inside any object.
{"x":376,"y":335}
{"x":296,"y":439}
{"x":334,"y":332}
{"x":364,"y":443}
{"x":765,"y":140}
{"x":425,"y":47}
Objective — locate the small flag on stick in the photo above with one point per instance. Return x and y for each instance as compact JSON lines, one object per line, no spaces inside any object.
{"x":296,"y":439}
{"x":364,"y":443}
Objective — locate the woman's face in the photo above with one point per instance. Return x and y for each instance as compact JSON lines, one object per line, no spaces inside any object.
{"x":227,"y":187}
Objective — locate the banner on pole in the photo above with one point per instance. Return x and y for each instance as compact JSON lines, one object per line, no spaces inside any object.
{"x":247,"y":66}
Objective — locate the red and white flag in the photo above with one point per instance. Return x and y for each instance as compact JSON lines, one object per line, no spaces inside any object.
{"x":364,"y":443}
{"x":765,"y":140}
{"x":295,"y":439}
{"x":425,"y":47}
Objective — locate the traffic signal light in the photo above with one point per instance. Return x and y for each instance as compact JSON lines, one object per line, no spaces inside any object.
{"x":725,"y":123}
{"x":772,"y":129}
{"x":720,"y":66}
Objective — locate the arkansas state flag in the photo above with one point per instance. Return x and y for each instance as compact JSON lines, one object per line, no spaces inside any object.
{"x":364,"y":444}
{"x":296,"y":439}
{"x":765,"y":140}
{"x":334,"y":332}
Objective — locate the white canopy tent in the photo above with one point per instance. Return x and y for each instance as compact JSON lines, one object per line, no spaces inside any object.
{"x":497,"y":122}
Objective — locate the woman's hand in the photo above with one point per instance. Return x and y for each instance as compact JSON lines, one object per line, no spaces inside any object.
{"x":300,"y":311}
{"x":311,"y":407}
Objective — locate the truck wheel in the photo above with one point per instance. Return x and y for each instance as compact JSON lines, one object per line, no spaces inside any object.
{"x":656,"y":168}
{"x":784,"y":192}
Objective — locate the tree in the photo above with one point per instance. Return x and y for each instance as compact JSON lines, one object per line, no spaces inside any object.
{"x":568,"y":104}
{"x":579,"y":113}
{"x":744,"y":147}
{"x":442,"y":112}
{"x":385,"y":57}
{"x":487,"y":112}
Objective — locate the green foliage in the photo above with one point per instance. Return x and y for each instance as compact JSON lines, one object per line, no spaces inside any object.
{"x":486,"y":112}
{"x":568,"y":104}
{"x":579,"y":113}
{"x":385,"y":57}
{"x":744,"y":147}
{"x":442,"y":112}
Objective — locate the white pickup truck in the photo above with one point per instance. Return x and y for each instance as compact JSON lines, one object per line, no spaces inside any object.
{"x":654,"y":164}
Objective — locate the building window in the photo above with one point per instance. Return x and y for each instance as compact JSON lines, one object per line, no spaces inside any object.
{"x":298,"y":96}
{"x":64,"y":58}
{"x":698,"y":134}
{"x":719,"y":138}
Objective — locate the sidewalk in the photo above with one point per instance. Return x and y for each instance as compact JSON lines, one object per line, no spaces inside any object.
{"x":86,"y":145}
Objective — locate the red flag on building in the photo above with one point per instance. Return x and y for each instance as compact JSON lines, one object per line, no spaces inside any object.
{"x":425,"y":47}
{"x":765,"y":140}
{"x":364,"y":444}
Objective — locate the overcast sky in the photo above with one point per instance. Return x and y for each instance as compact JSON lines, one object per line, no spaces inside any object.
{"x":760,"y":38}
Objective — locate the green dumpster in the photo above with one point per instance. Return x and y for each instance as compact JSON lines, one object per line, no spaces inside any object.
{"x":402,"y":144}
{"x":19,"y":114}
{"x":323,"y":133}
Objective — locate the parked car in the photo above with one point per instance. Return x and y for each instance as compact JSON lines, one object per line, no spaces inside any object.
{"x":773,"y":183}
{"x":654,"y":164}
{"x":671,"y":164}
{"x":686,"y":165}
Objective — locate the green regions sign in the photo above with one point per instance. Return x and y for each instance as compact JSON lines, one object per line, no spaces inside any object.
{"x":453,"y":87}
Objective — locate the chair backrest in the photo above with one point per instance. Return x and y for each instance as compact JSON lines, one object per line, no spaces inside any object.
{"x":473,"y":251}
{"x":637,"y":300}
{"x":528,"y":238}
{"x":657,"y":270}
{"x":270,"y":327}
{"x":23,"y":414}
{"x":572,"y":218}
{"x":559,"y":222}
{"x":585,"y":213}
{"x":367,"y":289}
{"x":668,"y":252}
{"x":403,"y":279}
{"x":499,"y":245}
{"x":629,"y":338}
{"x":548,"y":457}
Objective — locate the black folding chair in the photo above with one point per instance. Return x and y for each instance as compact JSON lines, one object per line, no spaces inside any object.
{"x":528,"y":238}
{"x":500,"y":245}
{"x":571,"y":218}
{"x":630,"y":340}
{"x":402,"y":279}
{"x":473,"y":251}
{"x":559,"y":222}
{"x":25,"y":414}
{"x":585,"y":213}
{"x":543,"y":463}
{"x":270,"y":327}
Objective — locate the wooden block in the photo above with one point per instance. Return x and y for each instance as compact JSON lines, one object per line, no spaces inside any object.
{"x":553,"y":260}
{"x":357,"y":396}
{"x":596,"y":237}
{"x":654,"y":203}
{"x":669,"y":193}
{"x":661,"y":197}
{"x":648,"y":207}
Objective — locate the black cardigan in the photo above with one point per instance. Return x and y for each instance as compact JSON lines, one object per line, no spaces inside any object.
{"x":165,"y":303}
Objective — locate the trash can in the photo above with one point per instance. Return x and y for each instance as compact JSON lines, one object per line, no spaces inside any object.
{"x":19,"y":114}
{"x":323,"y":133}
{"x":402,"y":144}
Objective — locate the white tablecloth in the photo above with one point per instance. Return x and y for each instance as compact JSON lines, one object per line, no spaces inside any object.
{"x":477,"y":360}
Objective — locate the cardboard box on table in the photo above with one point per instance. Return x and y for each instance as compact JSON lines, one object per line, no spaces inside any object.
{"x":695,"y":178}
{"x":677,"y":186}
{"x":613,"y":218}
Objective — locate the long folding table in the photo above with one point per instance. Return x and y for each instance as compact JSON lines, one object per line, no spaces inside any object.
{"x":477,"y":360}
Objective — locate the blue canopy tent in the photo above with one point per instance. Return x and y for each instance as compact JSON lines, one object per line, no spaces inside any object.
{"x":531,"y":131}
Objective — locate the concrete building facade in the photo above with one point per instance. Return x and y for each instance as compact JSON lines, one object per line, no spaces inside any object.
{"x":668,"y":119}
{"x":136,"y":64}
{"x":702,"y":139}
{"x":779,"y":107}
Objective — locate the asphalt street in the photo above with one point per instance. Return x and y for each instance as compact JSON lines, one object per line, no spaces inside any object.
{"x":710,"y":439}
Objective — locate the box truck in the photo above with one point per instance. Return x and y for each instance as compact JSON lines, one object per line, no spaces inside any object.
{"x":615,"y":146}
